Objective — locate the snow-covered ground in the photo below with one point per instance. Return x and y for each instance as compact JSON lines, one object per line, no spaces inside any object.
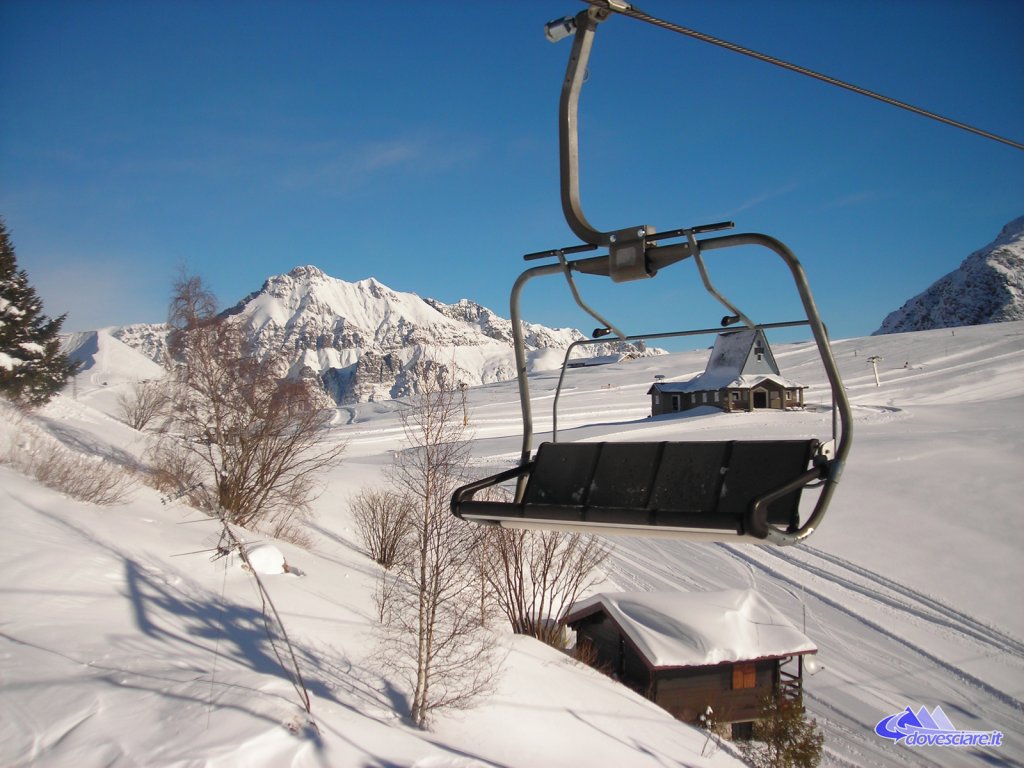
{"x":119,"y":648}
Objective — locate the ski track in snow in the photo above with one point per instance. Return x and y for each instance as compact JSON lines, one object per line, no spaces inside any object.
{"x":913,"y":610}
{"x":875,"y":586}
{"x":886,"y":610}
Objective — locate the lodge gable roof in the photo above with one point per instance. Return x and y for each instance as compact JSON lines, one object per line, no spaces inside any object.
{"x":739,"y":360}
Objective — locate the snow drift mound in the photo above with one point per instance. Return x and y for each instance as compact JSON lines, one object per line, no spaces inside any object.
{"x":108,"y":359}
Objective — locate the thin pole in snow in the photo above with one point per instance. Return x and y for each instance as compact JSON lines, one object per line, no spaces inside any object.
{"x":875,"y":360}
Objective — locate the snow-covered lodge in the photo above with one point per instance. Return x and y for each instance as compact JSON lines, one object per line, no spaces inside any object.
{"x":686,"y":651}
{"x":741,"y":375}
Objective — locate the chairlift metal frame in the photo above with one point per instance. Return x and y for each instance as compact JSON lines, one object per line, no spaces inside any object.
{"x":737,"y":498}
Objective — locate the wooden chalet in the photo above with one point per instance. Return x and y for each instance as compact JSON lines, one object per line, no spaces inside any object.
{"x":686,"y":651}
{"x":741,"y":375}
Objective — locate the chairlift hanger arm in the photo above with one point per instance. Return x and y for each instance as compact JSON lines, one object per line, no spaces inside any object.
{"x":568,"y":130}
{"x":634,"y":252}
{"x":628,"y":248}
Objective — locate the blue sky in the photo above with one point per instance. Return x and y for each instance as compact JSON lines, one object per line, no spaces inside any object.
{"x":416,"y":143}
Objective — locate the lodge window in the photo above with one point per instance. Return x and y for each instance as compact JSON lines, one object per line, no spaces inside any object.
{"x":744,"y":675}
{"x":743,"y":731}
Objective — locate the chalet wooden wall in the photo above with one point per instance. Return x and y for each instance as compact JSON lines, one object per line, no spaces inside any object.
{"x":767,"y":395}
{"x":615,"y":654}
{"x":684,"y":692}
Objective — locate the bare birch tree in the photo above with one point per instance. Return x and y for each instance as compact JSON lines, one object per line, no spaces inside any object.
{"x":438,"y":640}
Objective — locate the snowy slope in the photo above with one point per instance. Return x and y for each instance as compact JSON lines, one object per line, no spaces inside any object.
{"x":116,"y":650}
{"x":988,"y":287}
{"x":123,"y":644}
{"x":107,"y":359}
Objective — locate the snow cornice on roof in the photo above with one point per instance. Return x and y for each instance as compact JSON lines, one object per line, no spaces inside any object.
{"x":709,"y":382}
{"x":698,"y":629}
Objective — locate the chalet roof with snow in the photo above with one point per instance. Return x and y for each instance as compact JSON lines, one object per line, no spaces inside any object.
{"x":697,"y":629}
{"x":739,"y":360}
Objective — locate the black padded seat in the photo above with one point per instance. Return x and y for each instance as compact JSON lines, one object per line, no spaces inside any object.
{"x":691,"y":486}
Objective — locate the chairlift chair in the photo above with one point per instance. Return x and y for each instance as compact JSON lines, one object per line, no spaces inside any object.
{"x":735,"y":490}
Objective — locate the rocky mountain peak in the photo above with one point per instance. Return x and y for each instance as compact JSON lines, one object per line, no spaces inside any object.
{"x":368,"y":342}
{"x":365,"y":341}
{"x":988,"y":287}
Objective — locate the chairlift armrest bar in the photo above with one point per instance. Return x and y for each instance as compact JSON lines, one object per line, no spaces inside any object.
{"x":817,"y":327}
{"x":755,"y":521}
{"x":466,"y":492}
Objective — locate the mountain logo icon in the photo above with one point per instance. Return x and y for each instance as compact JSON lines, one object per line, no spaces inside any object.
{"x":932,"y":729}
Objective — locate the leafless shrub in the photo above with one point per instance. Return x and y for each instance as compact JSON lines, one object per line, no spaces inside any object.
{"x":83,"y":477}
{"x":289,"y":525}
{"x":384,"y":522}
{"x":537,"y":575}
{"x":177,"y":473}
{"x":260,"y":439}
{"x":146,"y":401}
{"x":586,"y":653}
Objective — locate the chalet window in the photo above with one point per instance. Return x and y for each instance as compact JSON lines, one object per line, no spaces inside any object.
{"x":675,"y":402}
{"x":744,"y":675}
{"x":716,"y":396}
{"x":735,"y":397}
{"x":743,"y":731}
{"x":657,"y":399}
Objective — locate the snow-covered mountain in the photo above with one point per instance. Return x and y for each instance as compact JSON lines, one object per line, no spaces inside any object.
{"x":988,"y":287}
{"x":368,"y":342}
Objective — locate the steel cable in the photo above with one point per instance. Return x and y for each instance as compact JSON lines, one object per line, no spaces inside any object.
{"x":635,"y":13}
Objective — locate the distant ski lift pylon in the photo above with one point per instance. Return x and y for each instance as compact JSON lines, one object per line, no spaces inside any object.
{"x":735,"y":490}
